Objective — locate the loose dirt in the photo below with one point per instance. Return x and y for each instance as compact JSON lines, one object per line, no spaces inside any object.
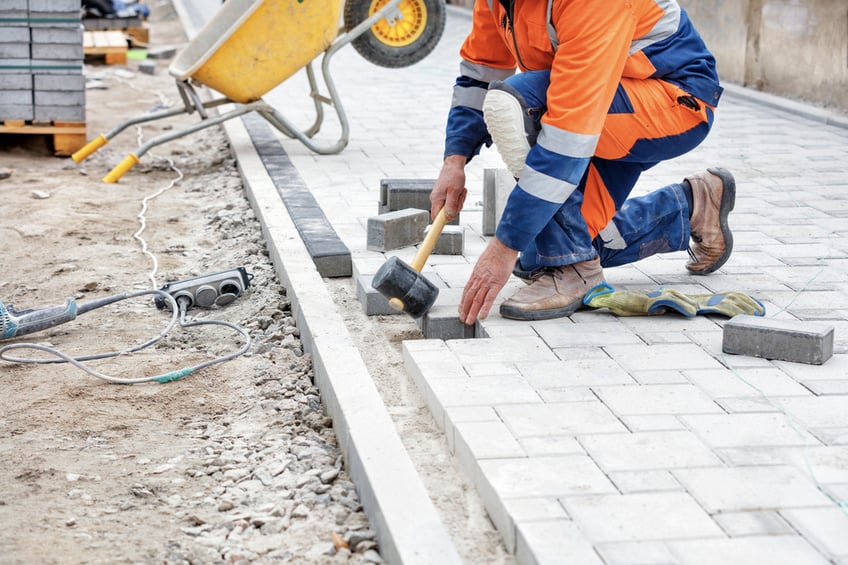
{"x":234,"y":463}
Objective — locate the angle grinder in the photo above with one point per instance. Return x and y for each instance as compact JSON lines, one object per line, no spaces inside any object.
{"x":15,"y":323}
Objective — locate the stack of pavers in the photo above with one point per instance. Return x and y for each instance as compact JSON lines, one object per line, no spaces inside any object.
{"x":99,"y":24}
{"x":41,"y":62}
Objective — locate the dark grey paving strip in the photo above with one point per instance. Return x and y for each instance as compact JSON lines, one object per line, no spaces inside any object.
{"x":330,"y":255}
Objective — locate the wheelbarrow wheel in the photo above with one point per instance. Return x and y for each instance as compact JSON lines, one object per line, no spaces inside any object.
{"x":401,"y":39}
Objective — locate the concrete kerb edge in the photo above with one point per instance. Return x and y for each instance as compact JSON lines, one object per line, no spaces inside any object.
{"x":408,"y":528}
{"x":801,"y":109}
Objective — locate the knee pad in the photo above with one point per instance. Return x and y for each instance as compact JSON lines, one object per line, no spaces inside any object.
{"x":513,"y":126}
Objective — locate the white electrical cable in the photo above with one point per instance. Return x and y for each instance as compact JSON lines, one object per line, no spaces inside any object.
{"x":164,"y":102}
{"x":164,"y":378}
{"x":147,"y":199}
{"x":143,"y":220}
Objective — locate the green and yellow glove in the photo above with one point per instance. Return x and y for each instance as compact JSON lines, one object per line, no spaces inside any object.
{"x":728,"y":304}
{"x":640,"y":302}
{"x":657,"y":302}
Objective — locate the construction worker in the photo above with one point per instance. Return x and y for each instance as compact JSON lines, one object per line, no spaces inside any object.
{"x":606,"y":91}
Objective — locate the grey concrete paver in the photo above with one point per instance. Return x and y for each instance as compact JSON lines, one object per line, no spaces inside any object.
{"x":550,"y":445}
{"x":630,"y":482}
{"x":753,"y":523}
{"x":652,"y":423}
{"x":723,"y":489}
{"x":755,"y":550}
{"x":816,"y":412}
{"x":829,"y":463}
{"x":554,"y":541}
{"x":642,"y":553}
{"x":641,"y":517}
{"x":484,"y":391}
{"x":499,"y":480}
{"x":754,"y":430}
{"x":661,"y":357}
{"x":579,"y":372}
{"x":598,"y":439}
{"x":603,"y":333}
{"x":657,"y":399}
{"x":542,"y":476}
{"x":769,"y":381}
{"x":824,"y":527}
{"x":635,"y":451}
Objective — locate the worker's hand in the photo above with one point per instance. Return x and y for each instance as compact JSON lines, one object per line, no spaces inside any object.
{"x":489,"y":276}
{"x":449,"y":191}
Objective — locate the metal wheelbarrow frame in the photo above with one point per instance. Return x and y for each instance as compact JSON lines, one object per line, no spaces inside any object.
{"x":196,"y":64}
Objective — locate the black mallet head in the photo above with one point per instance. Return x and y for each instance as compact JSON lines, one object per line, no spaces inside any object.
{"x":405,"y":288}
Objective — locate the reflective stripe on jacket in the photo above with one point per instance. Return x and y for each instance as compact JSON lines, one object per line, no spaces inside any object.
{"x":588,"y":45}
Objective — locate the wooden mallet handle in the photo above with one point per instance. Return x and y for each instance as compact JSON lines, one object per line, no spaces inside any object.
{"x":429,"y":241}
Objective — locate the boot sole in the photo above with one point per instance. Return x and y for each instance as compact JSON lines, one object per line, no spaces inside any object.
{"x":728,"y":201}
{"x":513,"y":313}
{"x":508,"y":134}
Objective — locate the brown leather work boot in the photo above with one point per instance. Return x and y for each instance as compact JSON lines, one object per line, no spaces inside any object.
{"x":713,"y":197}
{"x":555,"y":292}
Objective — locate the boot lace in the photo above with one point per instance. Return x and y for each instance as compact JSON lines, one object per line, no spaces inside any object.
{"x":556,"y":272}
{"x":545,"y":272}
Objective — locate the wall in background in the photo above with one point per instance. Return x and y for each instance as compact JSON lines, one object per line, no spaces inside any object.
{"x":792,"y":48}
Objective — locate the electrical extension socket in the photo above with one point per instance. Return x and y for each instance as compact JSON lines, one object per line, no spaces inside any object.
{"x":206,"y":291}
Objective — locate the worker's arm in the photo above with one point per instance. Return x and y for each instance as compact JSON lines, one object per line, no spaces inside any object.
{"x":465,"y":131}
{"x":485,"y":58}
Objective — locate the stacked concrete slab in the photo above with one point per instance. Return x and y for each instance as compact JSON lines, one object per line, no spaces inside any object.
{"x":41,"y":61}
{"x":97,"y":24}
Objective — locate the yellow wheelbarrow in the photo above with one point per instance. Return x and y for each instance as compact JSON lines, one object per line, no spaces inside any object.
{"x":251,"y":46}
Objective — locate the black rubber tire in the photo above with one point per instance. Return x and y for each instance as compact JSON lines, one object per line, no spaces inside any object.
{"x":373,"y":49}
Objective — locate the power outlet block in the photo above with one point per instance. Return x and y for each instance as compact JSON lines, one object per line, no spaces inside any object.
{"x":216,"y":289}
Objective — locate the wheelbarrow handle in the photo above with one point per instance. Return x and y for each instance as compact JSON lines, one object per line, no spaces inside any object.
{"x":119,"y":171}
{"x":90,"y":148}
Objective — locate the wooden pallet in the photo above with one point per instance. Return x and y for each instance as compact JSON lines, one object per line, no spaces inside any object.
{"x":111,"y":43}
{"x":68,"y":137}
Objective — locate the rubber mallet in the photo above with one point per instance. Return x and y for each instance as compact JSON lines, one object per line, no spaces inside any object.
{"x":404,"y":285}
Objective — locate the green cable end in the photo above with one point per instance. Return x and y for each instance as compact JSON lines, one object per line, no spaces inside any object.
{"x":173,"y":375}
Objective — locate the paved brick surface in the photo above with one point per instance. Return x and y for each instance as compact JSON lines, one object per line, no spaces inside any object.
{"x":598,"y":439}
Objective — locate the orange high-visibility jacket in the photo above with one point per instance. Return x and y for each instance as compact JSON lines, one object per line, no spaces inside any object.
{"x":589,"y":46}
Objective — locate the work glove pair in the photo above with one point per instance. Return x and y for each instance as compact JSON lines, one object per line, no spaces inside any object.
{"x":657,"y":302}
